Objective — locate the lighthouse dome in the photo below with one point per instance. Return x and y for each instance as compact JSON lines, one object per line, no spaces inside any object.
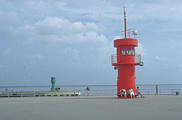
{"x":135,"y":32}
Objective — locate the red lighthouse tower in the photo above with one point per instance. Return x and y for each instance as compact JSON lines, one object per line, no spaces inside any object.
{"x":126,"y":59}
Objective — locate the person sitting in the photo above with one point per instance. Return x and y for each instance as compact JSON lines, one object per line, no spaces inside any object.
{"x":139,"y":93}
{"x":88,"y":90}
{"x":123,"y":93}
{"x":131,"y":93}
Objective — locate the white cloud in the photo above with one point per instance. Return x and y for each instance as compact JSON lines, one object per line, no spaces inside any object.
{"x":71,"y":52}
{"x":159,"y":58}
{"x":117,"y":37}
{"x":36,"y":58}
{"x":63,"y":31}
{"x":76,"y":39}
{"x":162,"y":10}
{"x":138,"y":10}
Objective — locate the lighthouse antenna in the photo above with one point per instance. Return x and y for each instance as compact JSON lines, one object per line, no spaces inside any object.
{"x":124,"y":22}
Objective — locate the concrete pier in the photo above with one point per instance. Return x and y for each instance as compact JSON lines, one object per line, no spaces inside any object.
{"x":163,"y":107}
{"x":39,"y":93}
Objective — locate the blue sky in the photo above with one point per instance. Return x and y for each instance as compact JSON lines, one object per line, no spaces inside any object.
{"x":73,"y":40}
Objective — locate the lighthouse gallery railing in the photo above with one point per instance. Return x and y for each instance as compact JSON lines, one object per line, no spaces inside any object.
{"x":137,"y":59}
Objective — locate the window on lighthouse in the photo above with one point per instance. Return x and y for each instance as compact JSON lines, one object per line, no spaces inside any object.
{"x":128,"y":51}
{"x":123,"y":52}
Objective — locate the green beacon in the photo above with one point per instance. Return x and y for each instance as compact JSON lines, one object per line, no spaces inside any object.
{"x":53,"y":81}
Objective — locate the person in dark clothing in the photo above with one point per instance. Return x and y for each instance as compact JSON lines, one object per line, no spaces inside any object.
{"x":139,"y":93}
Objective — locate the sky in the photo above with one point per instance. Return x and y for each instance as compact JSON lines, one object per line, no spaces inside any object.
{"x":73,"y":41}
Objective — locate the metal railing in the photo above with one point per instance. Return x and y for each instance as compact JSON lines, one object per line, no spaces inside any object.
{"x":97,"y":90}
{"x":113,"y":59}
{"x":137,"y":59}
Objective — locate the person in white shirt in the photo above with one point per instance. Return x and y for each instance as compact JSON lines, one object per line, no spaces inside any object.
{"x":123,"y":93}
{"x":131,"y":93}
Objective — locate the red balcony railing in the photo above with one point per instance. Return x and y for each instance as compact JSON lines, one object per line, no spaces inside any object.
{"x":138,"y":59}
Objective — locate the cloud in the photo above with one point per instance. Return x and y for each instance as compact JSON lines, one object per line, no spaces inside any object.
{"x":79,"y":33}
{"x":76,"y":39}
{"x":8,"y":21}
{"x":117,"y":37}
{"x":160,"y":10}
{"x":36,"y":58}
{"x":158,"y":58}
{"x":139,"y":10}
{"x":54,"y":29}
{"x":71,"y":52}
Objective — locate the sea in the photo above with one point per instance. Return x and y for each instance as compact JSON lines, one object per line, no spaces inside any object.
{"x":101,"y":90}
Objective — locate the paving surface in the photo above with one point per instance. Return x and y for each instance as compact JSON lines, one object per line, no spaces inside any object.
{"x":91,"y":108}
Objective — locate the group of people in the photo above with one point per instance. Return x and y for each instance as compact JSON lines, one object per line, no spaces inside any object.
{"x":130,"y":93}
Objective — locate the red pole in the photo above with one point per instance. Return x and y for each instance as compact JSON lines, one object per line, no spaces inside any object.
{"x":124,"y":22}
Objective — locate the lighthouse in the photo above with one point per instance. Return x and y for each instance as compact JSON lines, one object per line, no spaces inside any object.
{"x":126,"y":59}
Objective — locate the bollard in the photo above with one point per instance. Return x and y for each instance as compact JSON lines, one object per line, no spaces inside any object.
{"x":177,"y":93}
